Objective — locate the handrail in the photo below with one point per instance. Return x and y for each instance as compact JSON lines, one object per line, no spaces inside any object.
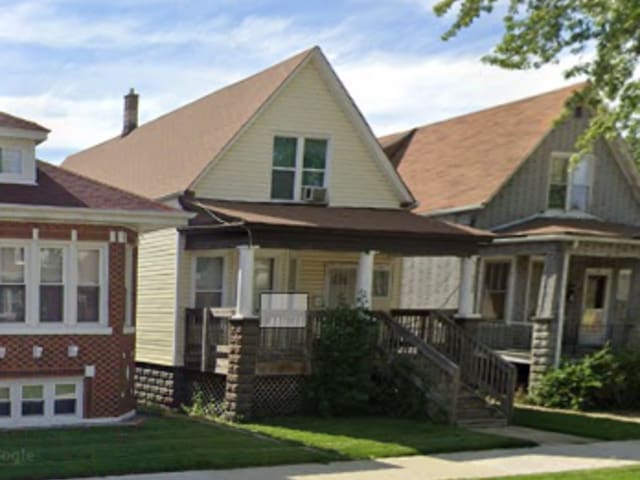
{"x":396,"y":340}
{"x":480,"y":367}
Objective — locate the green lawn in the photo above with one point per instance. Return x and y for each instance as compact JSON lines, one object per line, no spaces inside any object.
{"x":628,"y":473}
{"x":159,"y":444}
{"x":367,"y":437}
{"x":577,"y":424}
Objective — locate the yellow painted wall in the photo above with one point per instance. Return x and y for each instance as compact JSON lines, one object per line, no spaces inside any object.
{"x":307,"y":107}
{"x":156,"y":297}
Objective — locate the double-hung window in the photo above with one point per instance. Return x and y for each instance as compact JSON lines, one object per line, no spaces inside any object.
{"x":10,"y":161}
{"x":570,"y":186}
{"x":381,"y":281}
{"x":12,"y":284}
{"x":32,"y":400}
{"x":262,"y":279}
{"x":297,"y":162}
{"x":5,"y":402}
{"x":89,"y":288}
{"x":209,"y":282}
{"x":65,"y":399}
{"x":52,"y":285}
{"x":495,"y":289}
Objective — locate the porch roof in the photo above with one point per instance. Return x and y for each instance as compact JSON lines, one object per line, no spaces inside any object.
{"x":274,"y":225}
{"x":572,"y":226}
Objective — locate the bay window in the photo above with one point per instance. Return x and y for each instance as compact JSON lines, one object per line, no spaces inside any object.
{"x":51,"y":285}
{"x":12,"y":284}
{"x":297,"y":162}
{"x":88,"y":285}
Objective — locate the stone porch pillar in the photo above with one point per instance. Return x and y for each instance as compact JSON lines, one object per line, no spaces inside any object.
{"x":546,"y":338}
{"x":244,"y":335}
{"x":364,"y":279}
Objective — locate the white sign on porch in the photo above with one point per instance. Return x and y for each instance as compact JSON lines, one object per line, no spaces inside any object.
{"x":284,"y":310}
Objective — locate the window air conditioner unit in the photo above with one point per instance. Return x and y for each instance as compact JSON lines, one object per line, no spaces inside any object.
{"x":314,"y":195}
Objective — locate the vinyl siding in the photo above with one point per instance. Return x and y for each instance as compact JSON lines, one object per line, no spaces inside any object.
{"x":430,"y":282}
{"x":526,"y":192}
{"x":156,"y":300}
{"x":305,"y":106}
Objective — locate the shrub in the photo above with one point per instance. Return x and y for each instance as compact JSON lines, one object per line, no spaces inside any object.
{"x":596,"y":381}
{"x":342,"y":359}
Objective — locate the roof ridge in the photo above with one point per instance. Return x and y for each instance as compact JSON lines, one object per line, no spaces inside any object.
{"x":300,"y":56}
{"x":574,"y":86}
{"x":36,"y":126}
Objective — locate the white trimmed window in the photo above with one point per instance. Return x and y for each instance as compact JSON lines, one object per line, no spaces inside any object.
{"x":381,"y":283}
{"x":297,"y":162}
{"x":12,"y":285}
{"x":209,"y":282}
{"x":65,"y":400}
{"x":89,"y":285}
{"x":32,"y":403}
{"x":52,"y":292}
{"x":10,"y":161}
{"x":5,"y":402}
{"x":570,"y":187}
{"x":495,"y":289}
{"x":128,"y":285}
{"x":263,"y":278}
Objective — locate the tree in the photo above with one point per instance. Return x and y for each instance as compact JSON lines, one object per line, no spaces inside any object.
{"x":603,"y":36}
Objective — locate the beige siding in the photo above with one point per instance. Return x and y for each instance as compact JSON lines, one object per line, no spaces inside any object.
{"x":156,"y":297}
{"x":304,"y":107}
{"x":430,"y":282}
{"x":526,"y":193}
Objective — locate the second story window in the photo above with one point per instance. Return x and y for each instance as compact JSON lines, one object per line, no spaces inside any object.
{"x":51,"y":285}
{"x":12,"y":284}
{"x":88,"y":285}
{"x":570,"y":187}
{"x":297,"y":162}
{"x":10,"y":161}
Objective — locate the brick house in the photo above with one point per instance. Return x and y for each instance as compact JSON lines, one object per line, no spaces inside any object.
{"x":68,"y":253}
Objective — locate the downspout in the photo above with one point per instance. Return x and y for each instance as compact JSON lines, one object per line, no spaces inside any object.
{"x":561,"y":307}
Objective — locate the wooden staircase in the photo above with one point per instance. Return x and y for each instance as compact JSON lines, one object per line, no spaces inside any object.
{"x":467,"y":380}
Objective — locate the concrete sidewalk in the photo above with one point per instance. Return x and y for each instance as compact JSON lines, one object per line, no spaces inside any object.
{"x":492,"y":463}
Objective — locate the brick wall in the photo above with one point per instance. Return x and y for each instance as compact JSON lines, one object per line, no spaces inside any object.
{"x":110,"y":392}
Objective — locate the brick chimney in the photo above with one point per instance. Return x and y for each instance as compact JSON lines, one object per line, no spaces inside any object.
{"x":130,"y":120}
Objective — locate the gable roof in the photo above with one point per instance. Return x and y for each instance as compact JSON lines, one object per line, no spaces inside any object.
{"x":541,"y":226}
{"x":11,"y":121}
{"x":165,"y":155}
{"x":168,"y":155}
{"x":464,"y":161}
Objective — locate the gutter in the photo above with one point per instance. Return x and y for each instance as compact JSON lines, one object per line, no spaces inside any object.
{"x":145,"y":220}
{"x":447,"y":211}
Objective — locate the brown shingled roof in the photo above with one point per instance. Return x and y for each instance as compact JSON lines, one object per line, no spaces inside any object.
{"x":572,"y":226}
{"x":334,"y":218}
{"x":57,"y":187}
{"x":11,"y":121}
{"x":165,"y":155}
{"x":465,"y":160}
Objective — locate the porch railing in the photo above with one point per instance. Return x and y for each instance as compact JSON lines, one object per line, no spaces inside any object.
{"x":206,"y":346}
{"x":438,"y":376}
{"x":500,"y":335}
{"x":481,"y":368}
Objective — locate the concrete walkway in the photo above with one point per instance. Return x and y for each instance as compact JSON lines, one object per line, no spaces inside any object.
{"x":541,"y":437}
{"x":492,"y":463}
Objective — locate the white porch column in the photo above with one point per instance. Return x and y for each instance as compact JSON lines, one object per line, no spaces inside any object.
{"x":244,"y":293}
{"x":364,"y":280}
{"x":466,"y":306}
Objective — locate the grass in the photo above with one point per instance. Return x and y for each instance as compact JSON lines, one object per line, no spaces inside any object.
{"x":158,"y":444}
{"x":577,"y":424}
{"x":627,"y":473}
{"x":375,"y":437}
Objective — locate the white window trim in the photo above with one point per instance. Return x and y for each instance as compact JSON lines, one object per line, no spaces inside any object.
{"x":129,"y":326}
{"x":567,"y":200}
{"x":606,"y":272}
{"x":49,"y":383}
{"x":103,"y":277}
{"x":299,"y":163}
{"x":225,"y":275}
{"x":532,"y":260}
{"x":25,"y":244}
{"x":509,"y":302}
{"x":386,"y":268}
{"x":11,"y":177}
{"x":36,"y":278}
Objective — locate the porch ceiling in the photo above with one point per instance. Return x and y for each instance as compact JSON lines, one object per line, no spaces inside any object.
{"x":223,"y":224}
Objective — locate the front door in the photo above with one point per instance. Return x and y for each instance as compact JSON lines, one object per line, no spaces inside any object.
{"x":593,"y":323}
{"x":341,"y":286}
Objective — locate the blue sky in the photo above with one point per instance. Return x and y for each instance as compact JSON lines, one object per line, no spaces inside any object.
{"x":67,"y":63}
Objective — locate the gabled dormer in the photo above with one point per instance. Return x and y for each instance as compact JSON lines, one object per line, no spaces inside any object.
{"x":18,"y":140}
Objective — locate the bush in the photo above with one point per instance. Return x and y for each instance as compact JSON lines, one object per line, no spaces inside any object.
{"x":601,"y":380}
{"x":342,"y":359}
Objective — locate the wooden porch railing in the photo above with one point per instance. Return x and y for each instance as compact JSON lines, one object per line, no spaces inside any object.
{"x":206,"y":346}
{"x":439,"y":376}
{"x":480,"y":367}
{"x":500,"y":335}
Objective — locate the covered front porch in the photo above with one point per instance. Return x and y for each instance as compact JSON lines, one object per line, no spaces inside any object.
{"x":281,"y":263}
{"x":541,"y":298}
